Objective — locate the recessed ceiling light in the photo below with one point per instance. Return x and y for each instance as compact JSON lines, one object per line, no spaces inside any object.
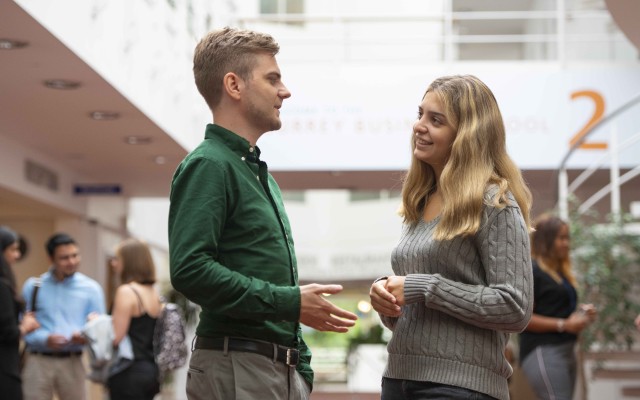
{"x":10,"y":44}
{"x":104,"y":115}
{"x":61,"y":84}
{"x":138,"y":139}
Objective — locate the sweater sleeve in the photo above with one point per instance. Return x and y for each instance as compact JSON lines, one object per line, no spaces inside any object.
{"x":504,"y":300}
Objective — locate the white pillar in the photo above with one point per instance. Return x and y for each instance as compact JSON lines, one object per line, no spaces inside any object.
{"x":563,"y":195}
{"x":614,"y":170}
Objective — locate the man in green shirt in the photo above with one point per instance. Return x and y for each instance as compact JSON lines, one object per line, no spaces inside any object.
{"x":230,"y":241}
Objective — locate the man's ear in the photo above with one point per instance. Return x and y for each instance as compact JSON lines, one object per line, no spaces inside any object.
{"x":233,"y":85}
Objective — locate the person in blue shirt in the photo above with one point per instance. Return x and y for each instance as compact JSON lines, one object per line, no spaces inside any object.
{"x":64,"y":301}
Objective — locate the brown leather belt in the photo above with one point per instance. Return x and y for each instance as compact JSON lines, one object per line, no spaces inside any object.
{"x":285,"y":355}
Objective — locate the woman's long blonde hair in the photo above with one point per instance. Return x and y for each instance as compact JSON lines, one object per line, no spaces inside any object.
{"x":543,"y":248}
{"x":478,"y":158}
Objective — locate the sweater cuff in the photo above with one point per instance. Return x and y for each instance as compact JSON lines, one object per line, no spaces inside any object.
{"x":417,"y":286}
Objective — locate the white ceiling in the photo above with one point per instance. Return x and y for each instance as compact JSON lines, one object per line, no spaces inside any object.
{"x":57,"y":122}
{"x":626,"y":13}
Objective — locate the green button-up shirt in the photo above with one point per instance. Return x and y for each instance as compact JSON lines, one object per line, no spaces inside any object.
{"x":230,"y":245}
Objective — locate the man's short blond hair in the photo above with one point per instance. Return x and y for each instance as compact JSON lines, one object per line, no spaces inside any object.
{"x":227,"y":50}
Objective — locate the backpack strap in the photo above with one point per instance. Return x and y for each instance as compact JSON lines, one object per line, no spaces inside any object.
{"x":140,"y":305}
{"x":34,"y":295}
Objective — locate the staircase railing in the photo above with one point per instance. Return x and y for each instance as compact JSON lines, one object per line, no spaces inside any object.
{"x":565,"y":189}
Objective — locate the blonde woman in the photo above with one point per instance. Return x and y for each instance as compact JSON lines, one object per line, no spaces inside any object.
{"x":136,"y":307}
{"x":547,"y":347}
{"x":462,"y":266}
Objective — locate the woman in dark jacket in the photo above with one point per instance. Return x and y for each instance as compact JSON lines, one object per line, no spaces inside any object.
{"x":11,"y":305}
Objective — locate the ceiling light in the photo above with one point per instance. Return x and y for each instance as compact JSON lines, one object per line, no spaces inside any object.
{"x":104,"y":115}
{"x":61,"y":84}
{"x":138,"y":139}
{"x":10,"y":44}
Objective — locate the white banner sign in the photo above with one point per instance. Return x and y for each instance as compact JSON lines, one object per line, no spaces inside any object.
{"x":360,"y":118}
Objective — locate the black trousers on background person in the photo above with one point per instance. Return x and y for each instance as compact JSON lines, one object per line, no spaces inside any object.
{"x":138,"y":382}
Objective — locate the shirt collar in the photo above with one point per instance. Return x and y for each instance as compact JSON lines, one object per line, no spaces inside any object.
{"x":50,"y":276}
{"x":233,"y":141}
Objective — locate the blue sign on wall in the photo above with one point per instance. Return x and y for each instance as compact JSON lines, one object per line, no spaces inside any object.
{"x":97,"y":189}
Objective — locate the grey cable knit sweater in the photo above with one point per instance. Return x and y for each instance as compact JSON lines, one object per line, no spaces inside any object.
{"x":463,"y":298}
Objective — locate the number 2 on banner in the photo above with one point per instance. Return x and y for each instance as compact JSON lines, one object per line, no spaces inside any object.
{"x":598,"y":112}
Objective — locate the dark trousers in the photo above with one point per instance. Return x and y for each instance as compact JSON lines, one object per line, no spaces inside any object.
{"x":400,"y":389}
{"x":10,"y":386}
{"x":138,"y":382}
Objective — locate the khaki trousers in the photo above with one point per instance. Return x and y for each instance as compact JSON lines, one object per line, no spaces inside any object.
{"x":214,"y":375}
{"x":43,"y":376}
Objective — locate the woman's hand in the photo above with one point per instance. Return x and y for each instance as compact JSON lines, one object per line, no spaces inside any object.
{"x":395,"y":286}
{"x":580,"y":319}
{"x":382,"y":300}
{"x":589,"y":310}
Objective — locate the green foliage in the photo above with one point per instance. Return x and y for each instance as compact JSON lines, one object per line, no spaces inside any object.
{"x":366,"y":330}
{"x":606,"y":259}
{"x":316,"y":339}
{"x":369,"y":336}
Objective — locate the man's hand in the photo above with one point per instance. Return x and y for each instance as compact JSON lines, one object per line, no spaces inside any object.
{"x":77,"y":338}
{"x":29,"y":323}
{"x":56,"y":342}
{"x":319,"y":313}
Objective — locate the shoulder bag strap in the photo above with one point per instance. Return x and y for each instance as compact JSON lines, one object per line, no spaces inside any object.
{"x":140,"y":305}
{"x":34,"y":294}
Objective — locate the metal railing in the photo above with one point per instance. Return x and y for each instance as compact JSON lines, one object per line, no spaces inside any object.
{"x":545,"y":35}
{"x":614,"y":149}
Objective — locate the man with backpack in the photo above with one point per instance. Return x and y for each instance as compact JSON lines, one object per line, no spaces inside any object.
{"x":64,"y":298}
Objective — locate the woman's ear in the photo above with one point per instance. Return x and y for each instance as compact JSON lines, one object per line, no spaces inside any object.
{"x":233,"y":85}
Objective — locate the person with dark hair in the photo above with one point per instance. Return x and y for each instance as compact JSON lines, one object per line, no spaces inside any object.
{"x":547,"y":346}
{"x":230,"y":242}
{"x":63,"y":302}
{"x":462,"y":266}
{"x":136,"y":307}
{"x":11,"y":305}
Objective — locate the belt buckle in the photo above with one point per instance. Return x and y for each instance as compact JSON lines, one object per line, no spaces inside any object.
{"x":293,"y":356}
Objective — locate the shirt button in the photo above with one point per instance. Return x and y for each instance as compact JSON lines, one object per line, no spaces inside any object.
{"x":250,"y":149}
{"x":242,"y":158}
